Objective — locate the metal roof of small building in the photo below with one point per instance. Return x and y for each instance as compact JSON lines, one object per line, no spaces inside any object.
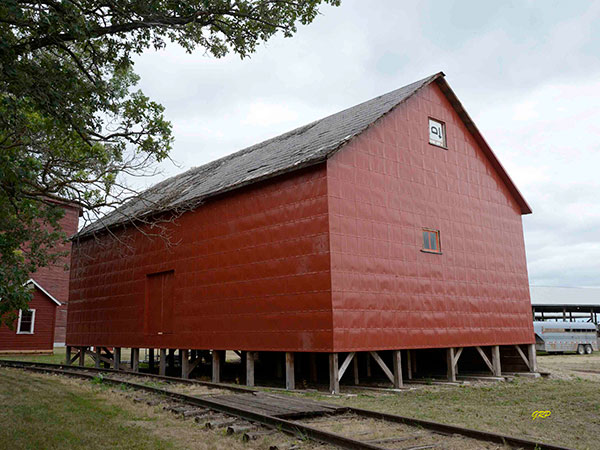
{"x":303,"y":147}
{"x":564,"y":296}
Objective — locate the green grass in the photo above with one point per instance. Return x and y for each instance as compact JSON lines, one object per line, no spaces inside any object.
{"x":41,"y":413}
{"x":502,"y":407}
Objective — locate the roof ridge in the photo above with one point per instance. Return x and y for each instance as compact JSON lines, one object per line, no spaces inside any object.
{"x":303,"y":146}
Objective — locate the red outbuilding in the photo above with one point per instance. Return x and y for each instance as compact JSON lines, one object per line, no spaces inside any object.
{"x":33,"y":331}
{"x":388,"y":233}
{"x":50,"y":287}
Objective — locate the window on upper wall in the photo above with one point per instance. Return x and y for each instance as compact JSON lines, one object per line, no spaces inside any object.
{"x":431,"y":241}
{"x":26,"y":321}
{"x":437,"y":133}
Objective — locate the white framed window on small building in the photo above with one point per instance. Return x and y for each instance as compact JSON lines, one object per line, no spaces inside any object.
{"x":26,"y":321}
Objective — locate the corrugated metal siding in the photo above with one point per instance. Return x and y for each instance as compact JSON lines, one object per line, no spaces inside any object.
{"x":43,"y":336}
{"x":251,"y":272}
{"x":383,"y":188}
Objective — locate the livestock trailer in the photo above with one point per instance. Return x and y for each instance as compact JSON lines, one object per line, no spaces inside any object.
{"x":580,"y":337}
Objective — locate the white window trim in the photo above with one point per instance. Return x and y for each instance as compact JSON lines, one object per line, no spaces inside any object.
{"x":32,"y":322}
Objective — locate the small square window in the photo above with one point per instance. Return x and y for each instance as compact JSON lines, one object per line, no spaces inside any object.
{"x":437,"y":133}
{"x":26,"y":321}
{"x":431,"y":241}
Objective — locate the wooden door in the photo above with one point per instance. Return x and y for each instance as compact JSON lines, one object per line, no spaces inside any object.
{"x":160,"y":291}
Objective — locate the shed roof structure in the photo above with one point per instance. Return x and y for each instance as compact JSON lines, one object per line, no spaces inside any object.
{"x":565,"y":303}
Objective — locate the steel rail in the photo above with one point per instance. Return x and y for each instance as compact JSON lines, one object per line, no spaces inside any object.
{"x":210,"y":384}
{"x":290,"y":426}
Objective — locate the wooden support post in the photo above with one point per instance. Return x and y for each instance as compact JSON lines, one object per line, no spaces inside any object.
{"x":216,"y":366}
{"x":185,"y":363}
{"x":313,"y":367}
{"x":68,"y":357}
{"x":450,"y":364}
{"x":409,"y":364}
{"x":397,"y":362}
{"x":334,"y":380}
{"x":117,"y":358}
{"x":151,"y":359}
{"x":355,"y":369}
{"x":162,"y":369}
{"x":249,"y":368}
{"x":97,"y":359}
{"x":290,"y":382}
{"x":496,"y":360}
{"x":135,"y":359}
{"x":171,"y":359}
{"x":368,"y":364}
{"x":82,"y":356}
{"x":532,"y":358}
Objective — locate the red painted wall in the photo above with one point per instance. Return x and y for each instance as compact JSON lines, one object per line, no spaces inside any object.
{"x":55,"y":279}
{"x":251,"y":271}
{"x":43,"y":332}
{"x":383,"y":188}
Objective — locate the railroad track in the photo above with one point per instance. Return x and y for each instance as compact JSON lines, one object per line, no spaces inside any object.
{"x":254,"y":412}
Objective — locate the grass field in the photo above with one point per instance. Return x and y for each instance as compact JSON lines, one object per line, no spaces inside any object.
{"x":50,"y":412}
{"x":506,"y":408}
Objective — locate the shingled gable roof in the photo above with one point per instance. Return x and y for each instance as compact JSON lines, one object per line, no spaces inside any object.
{"x":303,"y":147}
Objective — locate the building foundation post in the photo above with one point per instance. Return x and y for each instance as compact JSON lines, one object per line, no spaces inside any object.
{"x":151,"y":359}
{"x":496,"y":360}
{"x":185,"y":363}
{"x":82,"y":356}
{"x":409,"y":364}
{"x":397,"y":363}
{"x":135,"y":359}
{"x":355,"y":369}
{"x":290,"y":381}
{"x":334,"y":380}
{"x":98,"y":351}
{"x":117,"y":358}
{"x":250,"y":368}
{"x":532,"y":358}
{"x":216,"y":366}
{"x":68,"y":355}
{"x":162,"y":368}
{"x":450,"y":364}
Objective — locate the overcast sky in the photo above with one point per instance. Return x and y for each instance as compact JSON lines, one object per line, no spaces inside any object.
{"x":528,"y":73}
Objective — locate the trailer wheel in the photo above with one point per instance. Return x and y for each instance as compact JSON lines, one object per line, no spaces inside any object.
{"x":580,"y":350}
{"x":588,"y":349}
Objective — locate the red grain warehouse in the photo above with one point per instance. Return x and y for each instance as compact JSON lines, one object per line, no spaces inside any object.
{"x":44,"y":325}
{"x":385,"y":240}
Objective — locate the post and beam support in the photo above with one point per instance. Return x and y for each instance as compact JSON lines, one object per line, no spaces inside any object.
{"x":452,"y":357}
{"x":185,"y":363}
{"x":290,"y":382}
{"x":162,"y":368}
{"x":82,"y":356}
{"x":135,"y":359}
{"x":117,"y":358}
{"x":334,"y":379}
{"x":496,"y":361}
{"x":250,"y":358}
{"x":532,"y":358}
{"x":216,"y":366}
{"x":68,"y":355}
